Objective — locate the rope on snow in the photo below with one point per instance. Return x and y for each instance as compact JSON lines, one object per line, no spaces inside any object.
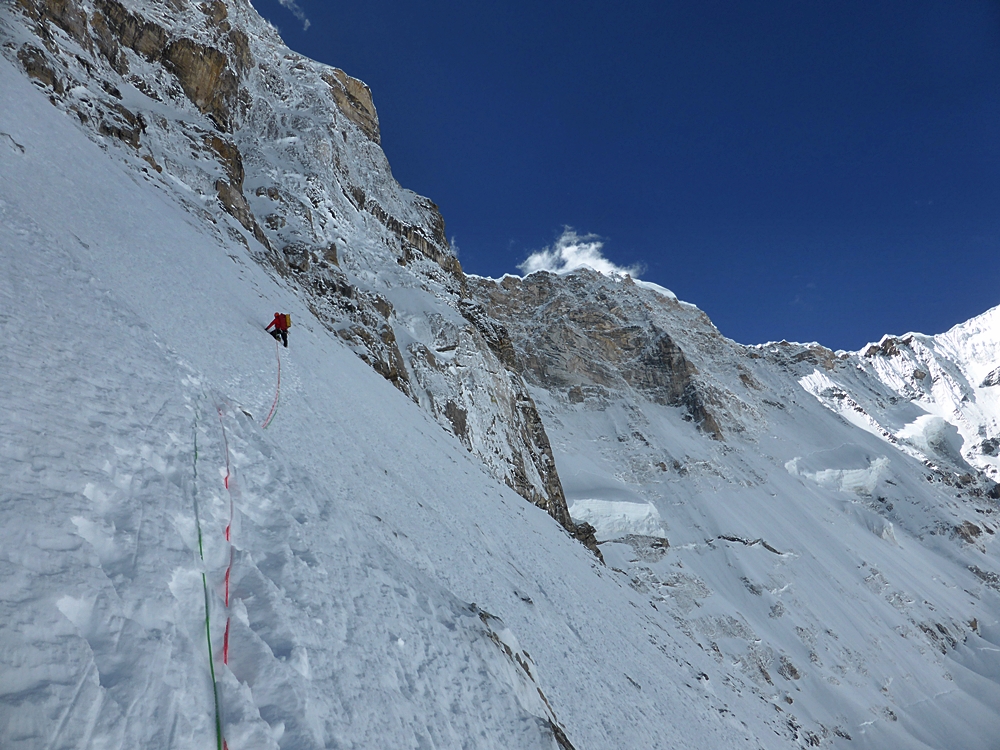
{"x":220,"y":742}
{"x":277,"y":392}
{"x":229,"y":537}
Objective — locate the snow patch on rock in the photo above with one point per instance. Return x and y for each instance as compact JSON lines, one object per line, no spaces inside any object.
{"x":614,"y":519}
{"x":860,"y":481}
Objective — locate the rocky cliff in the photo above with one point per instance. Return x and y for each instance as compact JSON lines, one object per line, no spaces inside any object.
{"x":282,"y":154}
{"x":589,"y":335}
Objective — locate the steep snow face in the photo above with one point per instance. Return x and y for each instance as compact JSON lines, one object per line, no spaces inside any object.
{"x":825,"y":539}
{"x":830,"y":577}
{"x":383,"y":589}
{"x":281,"y":154}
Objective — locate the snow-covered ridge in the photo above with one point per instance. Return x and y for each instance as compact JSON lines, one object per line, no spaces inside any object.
{"x":572,"y":252}
{"x":950,"y":376}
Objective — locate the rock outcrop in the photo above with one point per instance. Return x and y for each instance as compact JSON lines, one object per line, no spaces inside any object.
{"x":355,"y":100}
{"x":581,"y":333}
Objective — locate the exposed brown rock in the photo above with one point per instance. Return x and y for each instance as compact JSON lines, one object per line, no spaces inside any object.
{"x":380,"y":352}
{"x":107,"y":43}
{"x":236,"y":205}
{"x":412,"y":236}
{"x":37,"y":66}
{"x":557,"y":731}
{"x":534,"y":435}
{"x":298,"y":256}
{"x":788,"y":670}
{"x":458,"y":418}
{"x":494,"y":333}
{"x":358,"y":317}
{"x":203,"y":72}
{"x":354,"y":99}
{"x":141,"y":36}
{"x":242,"y":58}
{"x":817,"y":355}
{"x":587,"y":536}
{"x":205,"y":76}
{"x":215,"y":10}
{"x":152,"y":162}
{"x":357,"y":196}
{"x":565,"y":338}
{"x":65,"y":14}
{"x":968,"y":531}
{"x":330,"y":256}
{"x":122,"y":124}
{"x":435,"y":221}
{"x":270,"y":192}
{"x":888,"y":347}
{"x":229,"y":156}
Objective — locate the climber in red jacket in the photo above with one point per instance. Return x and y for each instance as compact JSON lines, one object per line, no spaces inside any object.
{"x":280,"y":324}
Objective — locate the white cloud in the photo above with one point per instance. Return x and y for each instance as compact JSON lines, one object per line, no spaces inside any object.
{"x":296,"y":11}
{"x":572,"y":251}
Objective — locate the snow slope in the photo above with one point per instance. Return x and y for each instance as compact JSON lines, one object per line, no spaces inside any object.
{"x":830,"y":568}
{"x":800,"y":544}
{"x":362,"y":532}
{"x":280,"y":153}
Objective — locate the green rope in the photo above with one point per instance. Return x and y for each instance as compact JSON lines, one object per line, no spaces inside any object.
{"x":194,"y":490}
{"x":278,"y":401}
{"x":211,"y":666}
{"x":204,"y":585}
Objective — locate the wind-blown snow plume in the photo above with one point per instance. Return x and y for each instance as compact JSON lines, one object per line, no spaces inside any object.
{"x":296,"y":11}
{"x":572,"y":251}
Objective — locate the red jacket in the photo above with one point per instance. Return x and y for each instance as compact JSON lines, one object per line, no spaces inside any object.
{"x":278,"y":322}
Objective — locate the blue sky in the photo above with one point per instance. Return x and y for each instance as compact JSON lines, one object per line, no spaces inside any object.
{"x":821,"y":170}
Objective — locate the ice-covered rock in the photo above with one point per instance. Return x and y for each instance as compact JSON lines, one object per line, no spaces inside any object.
{"x":282,"y":154}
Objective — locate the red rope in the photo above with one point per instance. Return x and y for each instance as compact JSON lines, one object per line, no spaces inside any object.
{"x":229,"y":538}
{"x":229,"y":531}
{"x":277,"y":391}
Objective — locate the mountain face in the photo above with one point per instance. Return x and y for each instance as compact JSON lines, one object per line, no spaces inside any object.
{"x":953,"y":377}
{"x":589,"y":339}
{"x":281,"y":154}
{"x":799,"y":543}
{"x":785,"y":470}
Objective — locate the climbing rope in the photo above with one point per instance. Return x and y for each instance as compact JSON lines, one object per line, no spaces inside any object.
{"x":229,"y":536}
{"x":277,"y":392}
{"x":220,"y":742}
